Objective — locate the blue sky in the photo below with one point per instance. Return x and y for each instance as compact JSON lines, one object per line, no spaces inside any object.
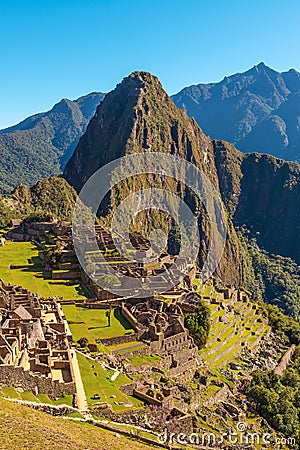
{"x":51,"y":49}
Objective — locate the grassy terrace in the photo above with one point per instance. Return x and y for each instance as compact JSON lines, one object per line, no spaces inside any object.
{"x":92,"y":323}
{"x":139,"y":360}
{"x":224,"y":345}
{"x":30,"y":276}
{"x":11,"y":392}
{"x":97,"y":380}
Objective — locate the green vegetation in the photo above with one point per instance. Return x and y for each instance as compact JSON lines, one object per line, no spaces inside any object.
{"x":277,"y":278}
{"x":11,"y":392}
{"x":6,"y":213}
{"x":277,"y":399}
{"x":227,"y":338}
{"x":109,"y":280}
{"x":83,"y":342}
{"x":198,"y":324}
{"x":139,"y":360}
{"x":31,"y":275}
{"x":40,"y":146}
{"x":284,"y":326}
{"x":25,"y":428}
{"x":93,"y":323}
{"x":49,"y":198}
{"x":97,"y":380}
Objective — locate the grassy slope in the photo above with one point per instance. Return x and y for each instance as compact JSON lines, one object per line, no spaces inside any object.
{"x":27,"y":429}
{"x":102,"y":384}
{"x":25,"y":253}
{"x":11,"y":392}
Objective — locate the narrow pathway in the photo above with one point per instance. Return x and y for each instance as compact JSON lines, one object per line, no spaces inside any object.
{"x":82,"y":403}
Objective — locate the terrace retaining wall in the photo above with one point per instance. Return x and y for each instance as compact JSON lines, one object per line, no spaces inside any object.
{"x":27,"y":381}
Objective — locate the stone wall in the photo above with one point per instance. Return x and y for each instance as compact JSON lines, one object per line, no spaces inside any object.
{"x":70,"y":275}
{"x":118,"y":339}
{"x":137,"y":418}
{"x":18,"y":378}
{"x":142,"y":351}
{"x":131,"y":319}
{"x":54,"y":410}
{"x":220,"y":396}
{"x":183,"y":373}
{"x":285,"y":361}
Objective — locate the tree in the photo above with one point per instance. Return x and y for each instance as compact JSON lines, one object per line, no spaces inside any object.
{"x":83,"y":342}
{"x":198,"y":324}
{"x":109,"y":280}
{"x":108,"y":315}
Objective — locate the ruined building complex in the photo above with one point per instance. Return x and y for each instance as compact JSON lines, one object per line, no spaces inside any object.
{"x":34,"y":343}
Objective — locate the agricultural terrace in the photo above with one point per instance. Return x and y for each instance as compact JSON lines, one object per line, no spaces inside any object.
{"x":29,"y":273}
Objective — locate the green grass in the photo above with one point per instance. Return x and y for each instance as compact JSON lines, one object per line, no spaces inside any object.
{"x":64,"y":400}
{"x":102,"y":384}
{"x":10,"y":392}
{"x":80,"y":330}
{"x":93,"y":322}
{"x":207,"y":291}
{"x":25,"y":428}
{"x":31,"y":277}
{"x":43,"y":398}
{"x":228,"y":339}
{"x":29,"y":396}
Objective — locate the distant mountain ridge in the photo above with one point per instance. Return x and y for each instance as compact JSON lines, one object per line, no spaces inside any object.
{"x":257,"y":111}
{"x":40,"y":145}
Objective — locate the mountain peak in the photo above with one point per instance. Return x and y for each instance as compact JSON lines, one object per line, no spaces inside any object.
{"x":261,"y":68}
{"x":262,"y":65}
{"x":40,"y":145}
{"x":256,"y":110}
{"x":136,"y":116}
{"x":143,"y":80}
{"x":143,"y":76}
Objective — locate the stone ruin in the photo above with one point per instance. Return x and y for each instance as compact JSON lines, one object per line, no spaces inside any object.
{"x":34,"y":343}
{"x":161,"y":326}
{"x":125,"y":266}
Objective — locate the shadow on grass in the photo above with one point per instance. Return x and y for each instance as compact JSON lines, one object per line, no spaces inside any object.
{"x":81,"y":290}
{"x":124,"y":322}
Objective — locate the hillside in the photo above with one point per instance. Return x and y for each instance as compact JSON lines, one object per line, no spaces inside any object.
{"x":257,"y":111}
{"x":49,"y":197}
{"x":40,"y":146}
{"x":259,"y":191}
{"x":25,"y":428}
{"x":139,"y":116}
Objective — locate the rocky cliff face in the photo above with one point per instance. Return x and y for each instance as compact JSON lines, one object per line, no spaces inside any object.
{"x":257,"y":111}
{"x":262,"y":192}
{"x":138,"y":116}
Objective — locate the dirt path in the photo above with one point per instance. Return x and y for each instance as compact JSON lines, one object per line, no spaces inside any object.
{"x":82,"y":403}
